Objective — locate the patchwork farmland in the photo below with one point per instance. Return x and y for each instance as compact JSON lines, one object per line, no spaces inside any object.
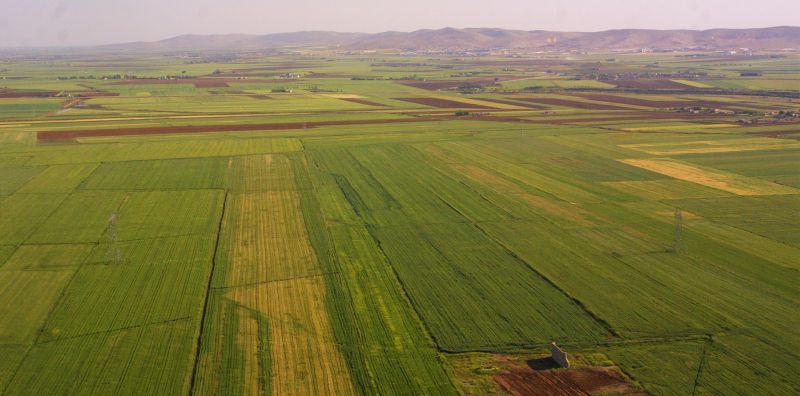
{"x":373,"y":227}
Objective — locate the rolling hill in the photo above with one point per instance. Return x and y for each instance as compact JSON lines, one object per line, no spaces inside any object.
{"x":451,"y":39}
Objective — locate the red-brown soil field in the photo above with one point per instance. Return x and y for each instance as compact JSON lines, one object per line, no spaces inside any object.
{"x":66,"y":135}
{"x":363,"y":102}
{"x":443,"y":103}
{"x":573,"y":103}
{"x":522,"y":380}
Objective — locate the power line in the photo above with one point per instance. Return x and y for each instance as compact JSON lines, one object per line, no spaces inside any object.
{"x":678,"y":243}
{"x":114,"y":253}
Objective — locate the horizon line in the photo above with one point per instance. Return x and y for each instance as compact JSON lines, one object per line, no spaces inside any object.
{"x":90,"y":46}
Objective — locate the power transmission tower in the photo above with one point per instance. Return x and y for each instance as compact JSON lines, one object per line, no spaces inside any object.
{"x":114,"y":253}
{"x":678,"y":243}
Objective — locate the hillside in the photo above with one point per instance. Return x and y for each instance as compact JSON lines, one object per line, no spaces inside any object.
{"x":451,"y":39}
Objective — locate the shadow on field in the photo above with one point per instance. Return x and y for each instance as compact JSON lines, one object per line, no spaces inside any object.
{"x":545,"y":363}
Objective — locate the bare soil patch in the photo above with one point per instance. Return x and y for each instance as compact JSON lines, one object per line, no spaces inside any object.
{"x":626,"y":117}
{"x":96,"y":94}
{"x":363,"y":102}
{"x":13,"y":93}
{"x":794,"y":134}
{"x":402,"y":64}
{"x":210,"y":84}
{"x":229,"y":92}
{"x":329,"y":75}
{"x":343,"y":96}
{"x":435,"y":85}
{"x":642,"y":102}
{"x":67,"y":135}
{"x":540,"y":379}
{"x":573,"y":103}
{"x":443,"y":103}
{"x":508,"y":102}
{"x":666,"y":103}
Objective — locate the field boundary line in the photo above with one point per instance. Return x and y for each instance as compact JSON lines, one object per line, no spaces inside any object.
{"x":516,"y":257}
{"x":78,"y":268}
{"x":44,"y":220}
{"x":74,"y":273}
{"x":583,"y":344}
{"x":16,"y":369}
{"x":417,"y":317}
{"x":79,"y":186}
{"x":602,"y":322}
{"x":199,"y":343}
{"x":321,"y":274}
{"x":447,"y":171}
{"x":57,"y":301}
{"x":709,"y":343}
{"x":114,"y":330}
{"x":55,"y":244}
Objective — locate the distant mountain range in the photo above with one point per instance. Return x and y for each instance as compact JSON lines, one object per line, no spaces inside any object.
{"x":476,"y":39}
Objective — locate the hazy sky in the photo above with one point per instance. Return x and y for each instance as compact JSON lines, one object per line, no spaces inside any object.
{"x":88,"y":22}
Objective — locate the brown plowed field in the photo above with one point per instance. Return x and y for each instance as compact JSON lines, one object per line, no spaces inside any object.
{"x":794,"y":134}
{"x":443,"y":103}
{"x":363,"y":102}
{"x":435,"y":85}
{"x":679,"y":103}
{"x":648,"y":84}
{"x":67,"y":135}
{"x":635,"y":101}
{"x":95,"y":94}
{"x":508,"y":102}
{"x":11,"y":93}
{"x":329,"y":75}
{"x":572,"y":103}
{"x":523,"y":380}
{"x":210,"y":84}
{"x":626,"y":117}
{"x":402,"y":64}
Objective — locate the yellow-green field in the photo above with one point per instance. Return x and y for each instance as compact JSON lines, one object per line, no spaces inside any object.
{"x":355,"y":230}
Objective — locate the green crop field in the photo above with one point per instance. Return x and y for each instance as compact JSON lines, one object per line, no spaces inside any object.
{"x":407,"y":225}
